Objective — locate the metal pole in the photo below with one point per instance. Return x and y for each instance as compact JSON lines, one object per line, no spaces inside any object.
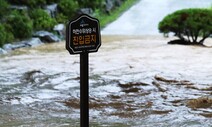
{"x":84,"y":90}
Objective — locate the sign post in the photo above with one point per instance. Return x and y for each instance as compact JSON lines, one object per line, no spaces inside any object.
{"x":84,"y":90}
{"x":82,"y":37}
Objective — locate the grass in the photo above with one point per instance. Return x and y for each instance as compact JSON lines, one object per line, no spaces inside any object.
{"x":114,"y":14}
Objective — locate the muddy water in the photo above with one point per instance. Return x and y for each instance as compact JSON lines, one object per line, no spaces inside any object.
{"x":134,"y":81}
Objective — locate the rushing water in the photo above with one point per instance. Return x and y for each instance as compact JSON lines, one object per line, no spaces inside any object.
{"x":134,"y":81}
{"x":143,"y":18}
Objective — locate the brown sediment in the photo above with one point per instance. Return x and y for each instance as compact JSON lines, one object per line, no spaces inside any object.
{"x":159,"y":86}
{"x":73,"y":102}
{"x":208,"y":115}
{"x":126,"y":114}
{"x":131,"y":84}
{"x":177,"y":102}
{"x":159,"y":78}
{"x":160,"y":112}
{"x":172,"y":81}
{"x":191,"y":87}
{"x":95,"y":103}
{"x":131,"y":90}
{"x":133,"y":87}
{"x":202,"y":102}
{"x":207,"y":89}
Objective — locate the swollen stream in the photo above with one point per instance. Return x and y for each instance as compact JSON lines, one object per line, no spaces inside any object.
{"x":134,"y":80}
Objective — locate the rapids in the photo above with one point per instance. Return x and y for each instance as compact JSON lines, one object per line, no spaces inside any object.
{"x":134,"y":80}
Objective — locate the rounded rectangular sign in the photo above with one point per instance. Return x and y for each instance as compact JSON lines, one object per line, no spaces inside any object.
{"x":83,"y":35}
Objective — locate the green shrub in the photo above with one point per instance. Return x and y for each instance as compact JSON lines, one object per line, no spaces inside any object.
{"x":2,"y":35}
{"x":94,"y":4}
{"x":61,"y":18}
{"x":20,"y":25}
{"x":29,"y":3}
{"x":42,"y":20}
{"x":9,"y":35}
{"x":188,"y":25}
{"x":52,"y":1}
{"x":3,"y":9}
{"x":5,"y":34}
{"x":68,"y":7}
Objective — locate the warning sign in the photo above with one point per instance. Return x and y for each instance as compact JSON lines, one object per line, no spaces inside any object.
{"x":83,"y":35}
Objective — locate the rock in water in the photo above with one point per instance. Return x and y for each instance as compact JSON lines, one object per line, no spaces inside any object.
{"x":51,"y":10}
{"x":22,"y":44}
{"x":60,"y":29}
{"x":2,"y":51}
{"x":46,"y":36}
{"x":34,"y":42}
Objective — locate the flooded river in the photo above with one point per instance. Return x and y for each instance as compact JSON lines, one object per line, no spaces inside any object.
{"x":135,"y":81}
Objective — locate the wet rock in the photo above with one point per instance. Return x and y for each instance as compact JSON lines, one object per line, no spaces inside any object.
{"x":118,"y":2}
{"x":2,"y":51}
{"x":19,"y":7}
{"x":87,"y":11}
{"x":46,"y":36}
{"x":22,"y":44}
{"x":34,"y":42}
{"x":51,"y":10}
{"x":109,"y":5}
{"x":9,"y":47}
{"x":60,"y":29}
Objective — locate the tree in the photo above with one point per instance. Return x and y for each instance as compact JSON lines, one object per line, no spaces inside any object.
{"x":192,"y":26}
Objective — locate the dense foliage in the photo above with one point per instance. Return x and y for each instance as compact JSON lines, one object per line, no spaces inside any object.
{"x":42,"y":20}
{"x":68,"y":7}
{"x":91,"y":4}
{"x":20,"y":25}
{"x":2,"y":35}
{"x":192,"y":26}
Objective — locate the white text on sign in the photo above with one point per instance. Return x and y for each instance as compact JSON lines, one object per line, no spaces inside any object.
{"x":84,"y":31}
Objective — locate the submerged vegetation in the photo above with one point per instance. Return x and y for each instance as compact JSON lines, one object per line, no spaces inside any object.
{"x":191,"y":26}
